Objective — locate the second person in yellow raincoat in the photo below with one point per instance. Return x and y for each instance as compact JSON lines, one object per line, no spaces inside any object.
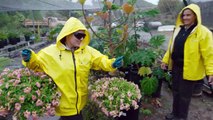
{"x":190,"y":57}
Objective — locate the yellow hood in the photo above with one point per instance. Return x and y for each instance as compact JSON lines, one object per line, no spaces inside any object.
{"x":72,"y":25}
{"x":195,"y":8}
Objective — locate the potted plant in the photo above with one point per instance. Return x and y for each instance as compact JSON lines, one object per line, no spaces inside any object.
{"x":122,"y":39}
{"x":27,"y":94}
{"x":3,"y":39}
{"x":115,"y":96}
{"x":27,"y":34}
{"x":14,"y":37}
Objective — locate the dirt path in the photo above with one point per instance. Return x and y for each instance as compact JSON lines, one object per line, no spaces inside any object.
{"x":201,"y":108}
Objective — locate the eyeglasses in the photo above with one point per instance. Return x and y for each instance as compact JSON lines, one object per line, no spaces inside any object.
{"x":79,"y":35}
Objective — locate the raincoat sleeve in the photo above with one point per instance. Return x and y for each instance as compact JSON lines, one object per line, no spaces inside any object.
{"x":206,"y":49}
{"x":34,"y":64}
{"x":166,"y":58}
{"x":100,"y":61}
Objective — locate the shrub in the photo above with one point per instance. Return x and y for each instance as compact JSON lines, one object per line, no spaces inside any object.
{"x":115,"y":95}
{"x":27,"y":94}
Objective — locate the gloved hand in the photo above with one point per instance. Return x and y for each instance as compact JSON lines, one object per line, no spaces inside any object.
{"x":26,"y":55}
{"x":118,"y":62}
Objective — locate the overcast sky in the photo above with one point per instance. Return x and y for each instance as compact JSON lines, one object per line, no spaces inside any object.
{"x":88,"y":2}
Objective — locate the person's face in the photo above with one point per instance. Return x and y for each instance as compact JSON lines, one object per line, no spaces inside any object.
{"x":74,"y":39}
{"x":188,"y":17}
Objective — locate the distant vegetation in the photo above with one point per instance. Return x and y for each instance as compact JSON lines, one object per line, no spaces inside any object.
{"x":4,"y":62}
{"x":207,"y":13}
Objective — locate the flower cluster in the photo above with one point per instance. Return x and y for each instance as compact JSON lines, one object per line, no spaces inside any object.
{"x":115,"y":95}
{"x":27,"y":94}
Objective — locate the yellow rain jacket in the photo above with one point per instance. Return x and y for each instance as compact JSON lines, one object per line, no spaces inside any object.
{"x":198,"y":49}
{"x":69,"y":70}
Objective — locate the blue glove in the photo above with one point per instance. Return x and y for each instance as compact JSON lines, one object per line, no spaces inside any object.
{"x":26,"y":55}
{"x":118,"y":62}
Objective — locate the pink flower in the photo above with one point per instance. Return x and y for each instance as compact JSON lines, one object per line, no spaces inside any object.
{"x":127,"y":106}
{"x":135,"y":104}
{"x":38,"y":92}
{"x":22,"y":98}
{"x":16,"y":82}
{"x":4,"y":112}
{"x":122,"y":107}
{"x":27,"y":90}
{"x":6,"y":70}
{"x":55,"y":103}
{"x":27,"y":114}
{"x":110,"y":97}
{"x":7,"y":85}
{"x":39,"y":102}
{"x":19,"y":76}
{"x":48,"y":106}
{"x":1,"y":81}
{"x":113,"y":113}
{"x":104,"y":110}
{"x":43,"y":76}
{"x":51,"y":111}
{"x":129,"y":94}
{"x":38,"y":84}
{"x":17,"y":106}
{"x":34,"y":115}
{"x":34,"y":97}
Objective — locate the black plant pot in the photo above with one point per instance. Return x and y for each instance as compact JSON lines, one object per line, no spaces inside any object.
{"x":27,"y":38}
{"x":3,"y":43}
{"x":131,"y":114}
{"x":157,"y":94}
{"x":14,"y":41}
{"x":131,"y":74}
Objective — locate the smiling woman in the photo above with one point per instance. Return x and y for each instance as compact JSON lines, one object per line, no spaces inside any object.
{"x":191,"y":45}
{"x":188,"y":18}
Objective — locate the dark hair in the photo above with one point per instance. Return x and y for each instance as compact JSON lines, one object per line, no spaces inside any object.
{"x":63,"y":40}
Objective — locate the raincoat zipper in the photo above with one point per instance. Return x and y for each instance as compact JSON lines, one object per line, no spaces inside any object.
{"x":76,"y":105}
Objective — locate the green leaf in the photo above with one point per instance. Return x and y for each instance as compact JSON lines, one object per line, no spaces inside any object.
{"x":144,"y":57}
{"x":149,"y":85}
{"x":157,"y":41}
{"x":144,"y":71}
{"x":115,"y":7}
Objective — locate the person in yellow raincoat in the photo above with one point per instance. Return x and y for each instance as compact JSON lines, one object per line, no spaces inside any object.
{"x":68,"y":63}
{"x":189,"y":57}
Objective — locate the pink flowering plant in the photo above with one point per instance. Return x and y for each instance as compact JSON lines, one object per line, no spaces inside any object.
{"x":115,"y":95}
{"x":27,"y":94}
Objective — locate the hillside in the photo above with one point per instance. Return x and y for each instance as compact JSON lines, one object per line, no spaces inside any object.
{"x":140,"y":4}
{"x":207,"y":13}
